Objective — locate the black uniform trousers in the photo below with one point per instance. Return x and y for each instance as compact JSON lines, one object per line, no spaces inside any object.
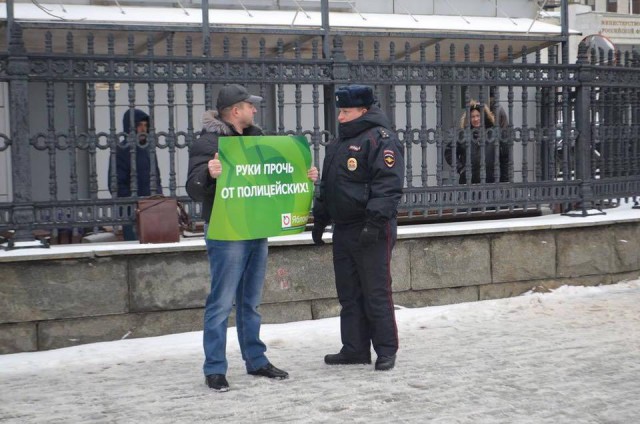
{"x":363,"y":282}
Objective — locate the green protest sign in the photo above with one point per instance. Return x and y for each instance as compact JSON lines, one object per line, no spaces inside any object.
{"x":263,"y":190}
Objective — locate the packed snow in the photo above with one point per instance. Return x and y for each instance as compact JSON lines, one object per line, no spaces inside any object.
{"x":568,"y":356}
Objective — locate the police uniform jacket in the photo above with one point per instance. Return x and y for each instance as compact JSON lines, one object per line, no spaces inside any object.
{"x":200,"y":186}
{"x":363,"y":173}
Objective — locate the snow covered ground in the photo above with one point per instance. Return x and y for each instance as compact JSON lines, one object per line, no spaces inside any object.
{"x":570,"y":356}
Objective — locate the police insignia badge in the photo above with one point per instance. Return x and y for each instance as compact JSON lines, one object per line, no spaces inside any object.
{"x":352,"y":164}
{"x":389,"y":158}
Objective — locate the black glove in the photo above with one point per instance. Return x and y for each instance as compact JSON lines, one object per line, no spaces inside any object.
{"x":368,"y":235}
{"x":316,"y":233}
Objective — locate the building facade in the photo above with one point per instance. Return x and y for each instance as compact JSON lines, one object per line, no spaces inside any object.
{"x":617,"y":21}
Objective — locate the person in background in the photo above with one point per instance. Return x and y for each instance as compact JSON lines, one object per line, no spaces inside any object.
{"x":237,"y":267}
{"x":481,"y":120}
{"x":361,"y":185}
{"x":502,"y":120}
{"x":141,"y":124}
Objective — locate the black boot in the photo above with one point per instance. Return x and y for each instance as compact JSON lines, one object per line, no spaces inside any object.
{"x":385,"y":363}
{"x":342,"y":358}
{"x":270,"y":371}
{"x":217,"y":382}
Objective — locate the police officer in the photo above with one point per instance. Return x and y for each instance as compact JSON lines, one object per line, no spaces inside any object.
{"x":361,"y":185}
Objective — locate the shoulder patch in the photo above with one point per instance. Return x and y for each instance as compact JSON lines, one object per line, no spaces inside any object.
{"x":389,"y":158}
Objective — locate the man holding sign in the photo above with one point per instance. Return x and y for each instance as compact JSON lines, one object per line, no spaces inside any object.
{"x":237,"y":267}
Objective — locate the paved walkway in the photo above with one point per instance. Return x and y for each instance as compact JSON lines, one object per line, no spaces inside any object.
{"x":572,"y":356}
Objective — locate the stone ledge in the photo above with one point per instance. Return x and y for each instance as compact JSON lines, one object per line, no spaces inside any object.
{"x":278,"y":313}
{"x":435,"y":297}
{"x":582,"y":253}
{"x":622,"y":214}
{"x":63,"y":289}
{"x":325,"y":308}
{"x":523,"y":256}
{"x":83,"y":300}
{"x":513,"y":289}
{"x":450,"y":262}
{"x":178,"y":281}
{"x":72,"y":332}
{"x":18,"y":338}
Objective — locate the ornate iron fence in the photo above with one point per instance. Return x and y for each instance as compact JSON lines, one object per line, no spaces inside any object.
{"x":565,"y":135}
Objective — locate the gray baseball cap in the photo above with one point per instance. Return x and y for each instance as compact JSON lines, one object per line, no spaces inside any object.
{"x":231,"y":94}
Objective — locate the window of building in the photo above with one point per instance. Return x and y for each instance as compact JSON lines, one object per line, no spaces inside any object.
{"x":591,"y":3}
{"x":635,"y":7}
{"x":612,"y":6}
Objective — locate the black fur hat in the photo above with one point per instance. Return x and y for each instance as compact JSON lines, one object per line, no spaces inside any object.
{"x":354,"y":96}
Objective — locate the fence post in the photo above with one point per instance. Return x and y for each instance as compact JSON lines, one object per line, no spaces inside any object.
{"x":339,"y":75}
{"x":22,"y":214}
{"x":583,"y":139}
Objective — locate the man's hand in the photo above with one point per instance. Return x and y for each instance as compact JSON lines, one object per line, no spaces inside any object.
{"x":313,"y":174}
{"x":368,"y":235}
{"x":316,"y":233}
{"x":215,"y":167}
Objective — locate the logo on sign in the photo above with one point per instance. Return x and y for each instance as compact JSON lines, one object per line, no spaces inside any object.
{"x":289,"y":220}
{"x":286,"y":220}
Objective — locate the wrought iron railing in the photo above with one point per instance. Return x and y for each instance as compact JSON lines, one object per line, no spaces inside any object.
{"x":570,"y":136}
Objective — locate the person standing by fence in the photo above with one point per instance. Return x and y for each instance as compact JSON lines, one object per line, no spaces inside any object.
{"x":479,"y":147}
{"x":361,"y":185}
{"x":136,"y":134}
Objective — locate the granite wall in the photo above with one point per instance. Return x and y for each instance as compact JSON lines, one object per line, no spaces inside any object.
{"x":70,"y":300}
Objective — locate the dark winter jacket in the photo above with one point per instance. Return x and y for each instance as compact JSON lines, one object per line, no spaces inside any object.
{"x":471,"y":140}
{"x":362,"y":174}
{"x":143,"y":159}
{"x":200,"y":186}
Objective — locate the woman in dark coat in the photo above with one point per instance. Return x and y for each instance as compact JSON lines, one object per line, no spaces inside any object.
{"x":481,"y":139}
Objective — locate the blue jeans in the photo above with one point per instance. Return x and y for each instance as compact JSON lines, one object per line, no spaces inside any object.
{"x":237,"y":272}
